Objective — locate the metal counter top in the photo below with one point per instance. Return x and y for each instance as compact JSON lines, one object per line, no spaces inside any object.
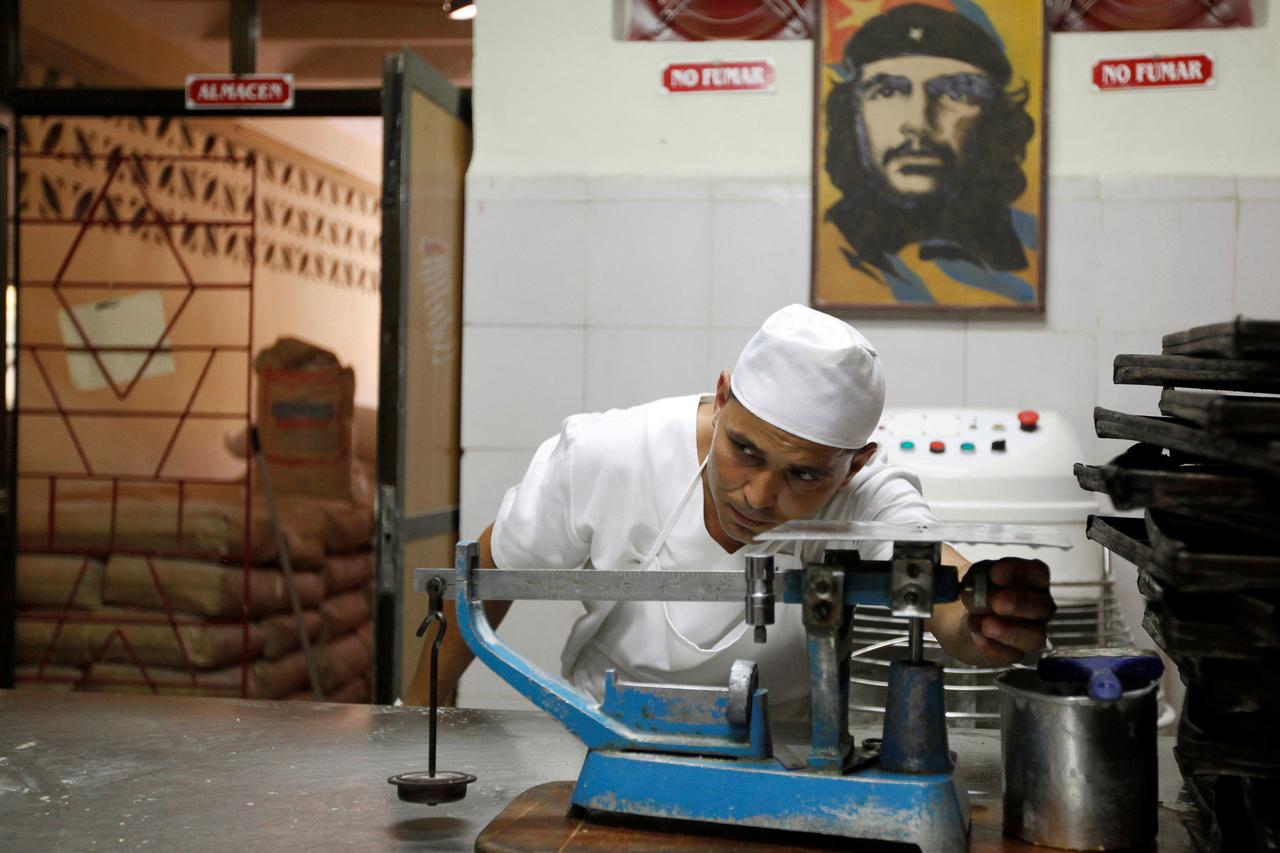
{"x":83,"y":771}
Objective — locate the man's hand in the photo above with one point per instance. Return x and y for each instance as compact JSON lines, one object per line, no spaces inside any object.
{"x":1019,"y":610}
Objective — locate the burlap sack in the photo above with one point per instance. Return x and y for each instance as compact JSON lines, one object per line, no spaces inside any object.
{"x":58,"y":580}
{"x":347,"y":612}
{"x":356,"y":691}
{"x":166,"y":681}
{"x":305,"y":406}
{"x":211,"y":523}
{"x":51,"y":677}
{"x":339,"y":663}
{"x":204,"y":588}
{"x":280,"y":633}
{"x":344,"y":572}
{"x":126,"y":678}
{"x":119,"y":634}
{"x":336,"y":617}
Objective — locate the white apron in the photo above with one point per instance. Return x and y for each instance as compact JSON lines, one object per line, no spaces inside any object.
{"x":686,"y":642}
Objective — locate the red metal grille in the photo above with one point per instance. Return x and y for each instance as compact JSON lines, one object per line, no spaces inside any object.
{"x":71,"y":413}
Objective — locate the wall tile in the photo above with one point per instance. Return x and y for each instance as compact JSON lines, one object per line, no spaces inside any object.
{"x":525,"y":187}
{"x":526,"y":262}
{"x":726,"y":346}
{"x":1168,"y":189}
{"x":1073,"y":188}
{"x":1044,"y":370}
{"x":649,"y":263}
{"x":1165,"y":265}
{"x":1258,"y":189}
{"x":651,"y":189}
{"x":924,"y":364}
{"x":1258,"y":260}
{"x":1075,"y":233}
{"x":485,"y":477}
{"x":798,"y":190}
{"x":518,"y":383}
{"x":759,"y":259}
{"x":626,"y":367}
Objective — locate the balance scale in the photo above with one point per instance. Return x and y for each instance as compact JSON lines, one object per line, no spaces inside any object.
{"x":707,"y":753}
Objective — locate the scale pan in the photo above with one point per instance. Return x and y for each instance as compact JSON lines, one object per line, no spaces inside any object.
{"x":446,"y":786}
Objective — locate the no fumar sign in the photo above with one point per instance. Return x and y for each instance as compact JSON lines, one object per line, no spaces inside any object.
{"x":239,"y":91}
{"x":1193,"y":70}
{"x":754,"y":75}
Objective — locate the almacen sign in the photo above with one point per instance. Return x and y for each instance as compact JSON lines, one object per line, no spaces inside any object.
{"x":929,"y":156}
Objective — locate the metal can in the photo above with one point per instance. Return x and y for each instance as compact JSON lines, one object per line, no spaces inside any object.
{"x":1079,"y":774}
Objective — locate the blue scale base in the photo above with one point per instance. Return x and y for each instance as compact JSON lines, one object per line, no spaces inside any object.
{"x":928,"y":810}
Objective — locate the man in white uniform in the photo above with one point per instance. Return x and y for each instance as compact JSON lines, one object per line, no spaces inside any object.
{"x":685,"y":483}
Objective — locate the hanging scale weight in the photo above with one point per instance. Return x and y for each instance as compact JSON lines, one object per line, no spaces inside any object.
{"x":447,"y":786}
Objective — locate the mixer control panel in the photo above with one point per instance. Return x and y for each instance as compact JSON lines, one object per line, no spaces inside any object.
{"x":959,"y":436}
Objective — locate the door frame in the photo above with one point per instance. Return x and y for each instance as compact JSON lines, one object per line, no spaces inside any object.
{"x":403,"y":73}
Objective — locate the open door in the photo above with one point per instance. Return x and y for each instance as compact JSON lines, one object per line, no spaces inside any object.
{"x":8,"y":422}
{"x":426,"y":147}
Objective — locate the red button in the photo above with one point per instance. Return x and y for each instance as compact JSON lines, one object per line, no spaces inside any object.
{"x":1028,"y":420}
{"x":937,"y":447}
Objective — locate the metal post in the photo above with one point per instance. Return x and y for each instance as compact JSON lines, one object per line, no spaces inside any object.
{"x":760,"y":597}
{"x":10,"y":67}
{"x":915,"y":628}
{"x":8,"y":433}
{"x":9,"y":44}
{"x":828,"y":622}
{"x":244,"y":36}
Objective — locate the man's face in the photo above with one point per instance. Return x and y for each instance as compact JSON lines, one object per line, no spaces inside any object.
{"x":760,"y":476}
{"x":917,"y":113}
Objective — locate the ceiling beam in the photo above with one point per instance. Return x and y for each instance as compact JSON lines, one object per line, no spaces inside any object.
{"x":244,"y":36}
{"x":320,"y":66}
{"x":352,"y":23}
{"x":104,"y":36}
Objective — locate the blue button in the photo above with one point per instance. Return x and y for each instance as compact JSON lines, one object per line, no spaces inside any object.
{"x":967,"y":447}
{"x":908,"y":445}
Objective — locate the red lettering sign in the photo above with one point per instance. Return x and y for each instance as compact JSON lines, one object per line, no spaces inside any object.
{"x":754,"y":75}
{"x":1153,"y":72}
{"x":239,"y":91}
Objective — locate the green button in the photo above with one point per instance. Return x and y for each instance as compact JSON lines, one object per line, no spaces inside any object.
{"x":908,"y":445}
{"x":967,"y":447}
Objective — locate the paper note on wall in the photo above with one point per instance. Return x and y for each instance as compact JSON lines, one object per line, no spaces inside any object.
{"x":127,"y":321}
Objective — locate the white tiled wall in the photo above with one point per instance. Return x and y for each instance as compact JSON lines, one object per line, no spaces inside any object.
{"x":584,"y":294}
{"x":1258,"y":247}
{"x":590,"y":293}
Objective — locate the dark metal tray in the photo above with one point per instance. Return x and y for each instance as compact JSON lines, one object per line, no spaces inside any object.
{"x":1262,"y":456}
{"x":1184,"y":371}
{"x":1237,"y":686}
{"x":1146,"y":476}
{"x":1187,"y":554}
{"x":1239,"y":626}
{"x":1213,"y":743}
{"x":1239,"y":338}
{"x":1224,"y":413}
{"x":1122,"y":535}
{"x":1232,"y":813}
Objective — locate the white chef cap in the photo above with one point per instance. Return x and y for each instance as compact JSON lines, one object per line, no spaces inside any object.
{"x":813,"y":376}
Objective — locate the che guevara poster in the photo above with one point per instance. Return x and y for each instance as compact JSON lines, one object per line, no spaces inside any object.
{"x":929,"y":156}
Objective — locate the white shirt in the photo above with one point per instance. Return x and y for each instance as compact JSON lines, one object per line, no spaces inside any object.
{"x":598,"y":495}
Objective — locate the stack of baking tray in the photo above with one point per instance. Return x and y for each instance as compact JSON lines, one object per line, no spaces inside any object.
{"x":1206,"y":472}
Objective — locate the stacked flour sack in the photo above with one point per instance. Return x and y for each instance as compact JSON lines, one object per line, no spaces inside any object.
{"x":157,"y":587}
